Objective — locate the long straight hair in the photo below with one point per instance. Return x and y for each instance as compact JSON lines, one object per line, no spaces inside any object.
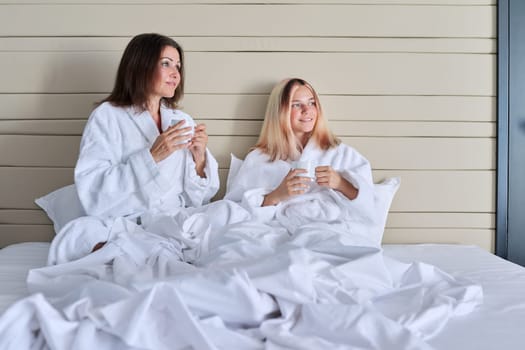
{"x":277,"y":138}
{"x":136,"y":72}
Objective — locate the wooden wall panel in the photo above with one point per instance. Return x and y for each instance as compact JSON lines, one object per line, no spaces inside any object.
{"x":481,"y":238}
{"x":253,"y":19}
{"x":220,"y":127}
{"x":383,"y":152}
{"x":20,"y":186}
{"x":398,"y":109}
{"x":233,"y":73}
{"x":23,"y":216}
{"x":410,"y":84}
{"x":420,"y":191}
{"x":479,"y":45}
{"x":10,"y":234}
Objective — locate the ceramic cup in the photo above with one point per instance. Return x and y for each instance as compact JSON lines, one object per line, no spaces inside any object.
{"x":170,"y":122}
{"x":306,"y":165}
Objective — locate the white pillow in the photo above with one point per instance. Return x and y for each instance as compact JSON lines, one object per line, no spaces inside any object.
{"x":61,"y":206}
{"x":235,"y":165}
{"x":383,"y":195}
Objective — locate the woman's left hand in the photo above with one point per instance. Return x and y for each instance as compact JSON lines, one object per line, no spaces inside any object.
{"x":198,"y":147}
{"x":326,"y":176}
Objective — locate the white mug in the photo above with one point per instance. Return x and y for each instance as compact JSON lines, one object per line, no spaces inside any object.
{"x":172,"y":121}
{"x":306,"y":165}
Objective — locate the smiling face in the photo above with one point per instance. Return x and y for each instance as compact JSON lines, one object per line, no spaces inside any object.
{"x":167,"y":74}
{"x":303,"y":112}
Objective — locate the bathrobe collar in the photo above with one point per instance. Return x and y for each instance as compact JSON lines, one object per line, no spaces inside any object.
{"x":144,"y":121}
{"x":311,"y":150}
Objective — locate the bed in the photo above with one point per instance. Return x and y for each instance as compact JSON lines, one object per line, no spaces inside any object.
{"x":495,"y":324}
{"x":194,"y":280}
{"x":220,"y":277}
{"x":419,"y":84}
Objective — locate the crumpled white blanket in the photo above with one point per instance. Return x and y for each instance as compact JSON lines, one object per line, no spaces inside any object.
{"x":327,"y":206}
{"x":183,"y":282}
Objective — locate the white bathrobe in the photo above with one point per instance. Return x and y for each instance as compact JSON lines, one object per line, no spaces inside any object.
{"x":258,"y":176}
{"x":116,"y":175}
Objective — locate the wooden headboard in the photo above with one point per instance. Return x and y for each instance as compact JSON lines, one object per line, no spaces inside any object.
{"x":411,"y":86}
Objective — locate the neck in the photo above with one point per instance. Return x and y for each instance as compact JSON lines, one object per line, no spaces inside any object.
{"x":154,"y":110}
{"x":303,"y":138}
{"x":154,"y":106}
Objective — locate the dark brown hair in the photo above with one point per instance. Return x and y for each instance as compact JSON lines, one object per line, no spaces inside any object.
{"x":137,"y":69}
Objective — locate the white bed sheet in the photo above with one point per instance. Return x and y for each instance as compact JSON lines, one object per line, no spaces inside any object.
{"x":497,"y":324}
{"x":15,"y":261}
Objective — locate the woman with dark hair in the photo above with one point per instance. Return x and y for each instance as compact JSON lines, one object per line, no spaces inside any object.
{"x":139,"y":153}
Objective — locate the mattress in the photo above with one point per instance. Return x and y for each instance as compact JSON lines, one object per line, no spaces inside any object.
{"x":15,"y":261}
{"x":496,"y":324}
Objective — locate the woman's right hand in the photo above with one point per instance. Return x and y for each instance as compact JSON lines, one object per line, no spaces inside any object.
{"x":174,"y":138}
{"x":291,"y":185}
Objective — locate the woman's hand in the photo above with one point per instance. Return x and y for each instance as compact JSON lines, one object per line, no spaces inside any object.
{"x":326,"y":176}
{"x":174,"y":138}
{"x":291,"y":185}
{"x":198,"y":148}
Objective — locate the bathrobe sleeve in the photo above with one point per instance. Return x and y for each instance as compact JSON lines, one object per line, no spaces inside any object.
{"x":256,"y":177}
{"x":356,"y":169}
{"x":197,"y":190}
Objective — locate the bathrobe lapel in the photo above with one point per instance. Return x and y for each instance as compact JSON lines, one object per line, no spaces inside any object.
{"x":145,"y":123}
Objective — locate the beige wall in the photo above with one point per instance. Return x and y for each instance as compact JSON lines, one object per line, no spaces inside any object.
{"x":411,"y":84}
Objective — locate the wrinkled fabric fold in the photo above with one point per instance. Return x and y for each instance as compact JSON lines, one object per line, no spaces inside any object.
{"x":194,"y":280}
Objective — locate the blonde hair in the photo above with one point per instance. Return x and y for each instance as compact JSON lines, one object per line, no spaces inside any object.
{"x":277,"y":139}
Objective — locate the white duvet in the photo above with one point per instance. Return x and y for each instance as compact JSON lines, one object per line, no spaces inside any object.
{"x":214,"y":278}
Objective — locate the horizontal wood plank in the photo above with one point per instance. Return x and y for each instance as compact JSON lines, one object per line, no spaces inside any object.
{"x":262,"y":44}
{"x":252,"y":107}
{"x":345,"y":73}
{"x":402,"y":220}
{"x":21,"y":186}
{"x":443,"y":191}
{"x":383,"y":152}
{"x":426,"y":153}
{"x":10,"y":234}
{"x":420,"y":191}
{"x":344,"y":20}
{"x":24,"y":217}
{"x":235,"y":128}
{"x":39,"y":150}
{"x":483,"y":238}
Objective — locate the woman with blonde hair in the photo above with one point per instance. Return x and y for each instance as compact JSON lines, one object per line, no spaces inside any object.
{"x":297,"y":154}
